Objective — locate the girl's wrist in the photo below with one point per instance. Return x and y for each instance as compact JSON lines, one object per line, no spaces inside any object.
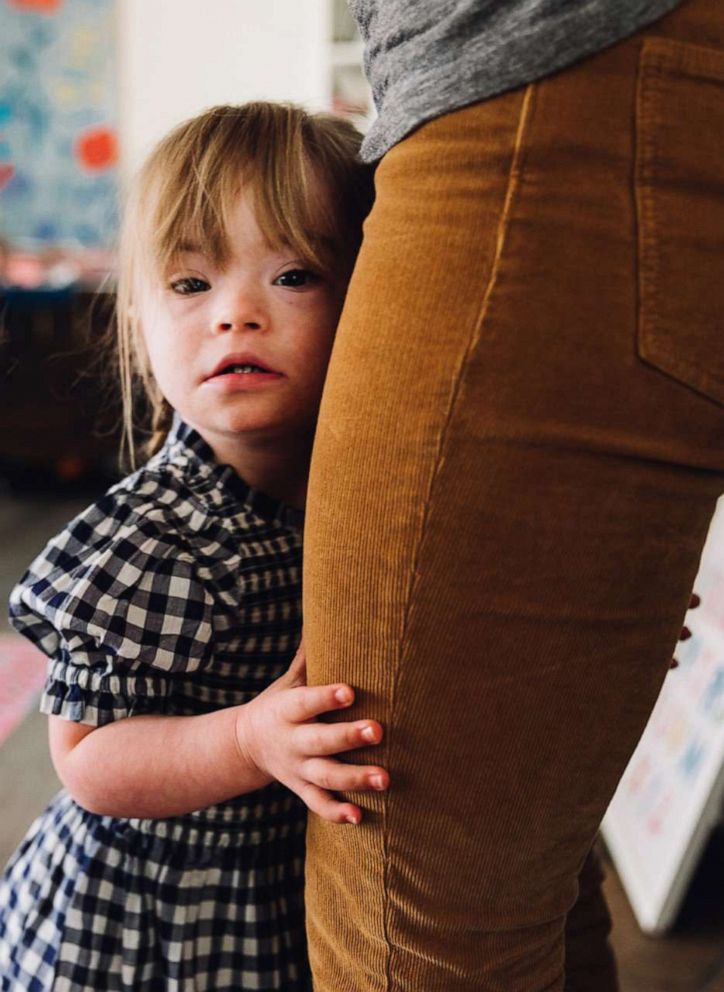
{"x":249,"y":767}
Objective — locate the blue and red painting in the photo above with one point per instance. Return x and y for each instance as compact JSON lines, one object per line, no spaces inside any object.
{"x":58,"y":122}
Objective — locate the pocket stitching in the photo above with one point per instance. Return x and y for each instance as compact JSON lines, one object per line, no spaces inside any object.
{"x":659,"y":57}
{"x":684,"y":56}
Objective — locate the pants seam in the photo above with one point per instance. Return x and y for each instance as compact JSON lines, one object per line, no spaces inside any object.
{"x":513,"y":182}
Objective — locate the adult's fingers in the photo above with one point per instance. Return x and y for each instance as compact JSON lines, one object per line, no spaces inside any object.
{"x":685,"y":633}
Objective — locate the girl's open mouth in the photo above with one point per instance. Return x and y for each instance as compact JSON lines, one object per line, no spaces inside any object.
{"x":241,"y":372}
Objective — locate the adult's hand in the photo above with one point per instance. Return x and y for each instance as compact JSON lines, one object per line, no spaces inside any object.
{"x":685,"y":632}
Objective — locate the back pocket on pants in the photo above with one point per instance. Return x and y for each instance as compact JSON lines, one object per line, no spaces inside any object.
{"x":680,"y":200}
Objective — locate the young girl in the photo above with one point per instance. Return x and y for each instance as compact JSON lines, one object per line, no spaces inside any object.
{"x":173,"y":859}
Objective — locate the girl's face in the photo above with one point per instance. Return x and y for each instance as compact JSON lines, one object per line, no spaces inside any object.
{"x":241,"y":353}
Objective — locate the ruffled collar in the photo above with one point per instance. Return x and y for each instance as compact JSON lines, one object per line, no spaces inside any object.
{"x":220,"y":486}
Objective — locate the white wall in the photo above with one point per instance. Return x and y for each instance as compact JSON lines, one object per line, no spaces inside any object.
{"x":177,"y":57}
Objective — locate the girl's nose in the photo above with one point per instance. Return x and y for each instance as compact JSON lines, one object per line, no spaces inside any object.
{"x":228,"y":324}
{"x":241,"y":308}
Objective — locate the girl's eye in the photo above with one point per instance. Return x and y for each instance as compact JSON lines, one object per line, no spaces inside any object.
{"x":189,"y":285}
{"x":296,"y":278}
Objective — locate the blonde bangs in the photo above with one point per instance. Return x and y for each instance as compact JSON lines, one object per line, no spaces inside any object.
{"x":193,"y":180}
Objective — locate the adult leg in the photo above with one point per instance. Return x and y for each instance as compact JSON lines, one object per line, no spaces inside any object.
{"x":507,"y":503}
{"x":590,"y":964}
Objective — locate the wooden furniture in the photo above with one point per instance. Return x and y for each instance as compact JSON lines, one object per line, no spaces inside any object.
{"x":59,"y":412}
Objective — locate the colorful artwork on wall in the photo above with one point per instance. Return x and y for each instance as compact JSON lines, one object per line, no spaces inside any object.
{"x":58,"y":133}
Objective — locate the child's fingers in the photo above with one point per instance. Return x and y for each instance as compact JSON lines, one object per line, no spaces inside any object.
{"x":320,"y":802}
{"x":339,"y":777}
{"x":306,"y":702}
{"x":297,"y":671}
{"x":317,"y":739}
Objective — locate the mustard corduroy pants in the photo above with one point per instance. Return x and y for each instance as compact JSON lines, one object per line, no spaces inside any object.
{"x":519,"y":452}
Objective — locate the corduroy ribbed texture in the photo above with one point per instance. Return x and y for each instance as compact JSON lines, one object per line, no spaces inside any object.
{"x":518,"y":456}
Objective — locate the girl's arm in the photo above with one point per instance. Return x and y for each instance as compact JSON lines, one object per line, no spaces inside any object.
{"x":159,"y":766}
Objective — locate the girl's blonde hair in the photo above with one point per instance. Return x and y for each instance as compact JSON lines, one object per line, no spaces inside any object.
{"x":279,"y":154}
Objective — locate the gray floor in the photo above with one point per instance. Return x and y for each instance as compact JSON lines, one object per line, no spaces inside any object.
{"x":27,"y":778}
{"x":25,"y":526}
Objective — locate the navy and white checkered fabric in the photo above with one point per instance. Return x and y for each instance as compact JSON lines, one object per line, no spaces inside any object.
{"x":178,"y":592}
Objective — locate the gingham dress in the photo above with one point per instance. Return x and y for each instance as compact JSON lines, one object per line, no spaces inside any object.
{"x":178,"y":592}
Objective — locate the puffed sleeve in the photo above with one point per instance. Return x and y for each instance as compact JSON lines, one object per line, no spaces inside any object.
{"x":120,"y":618}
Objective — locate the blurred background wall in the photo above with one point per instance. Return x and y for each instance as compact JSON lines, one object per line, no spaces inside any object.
{"x":87,"y":86}
{"x":179,"y":56}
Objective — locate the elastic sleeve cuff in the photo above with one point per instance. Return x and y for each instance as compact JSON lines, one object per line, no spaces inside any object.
{"x":81,"y":695}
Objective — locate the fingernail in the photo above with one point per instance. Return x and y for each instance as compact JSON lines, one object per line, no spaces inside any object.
{"x":695,"y":600}
{"x":343,"y":696}
{"x":352,"y":819}
{"x":685,"y":634}
{"x":377,"y":782}
{"x":369,"y":733}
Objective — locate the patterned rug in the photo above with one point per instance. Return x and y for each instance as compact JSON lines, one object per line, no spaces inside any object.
{"x":22,"y":674}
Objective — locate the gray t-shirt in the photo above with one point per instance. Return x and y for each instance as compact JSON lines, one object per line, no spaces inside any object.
{"x":426,"y":57}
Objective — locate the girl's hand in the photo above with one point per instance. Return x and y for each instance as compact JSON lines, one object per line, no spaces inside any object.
{"x":278,"y":733}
